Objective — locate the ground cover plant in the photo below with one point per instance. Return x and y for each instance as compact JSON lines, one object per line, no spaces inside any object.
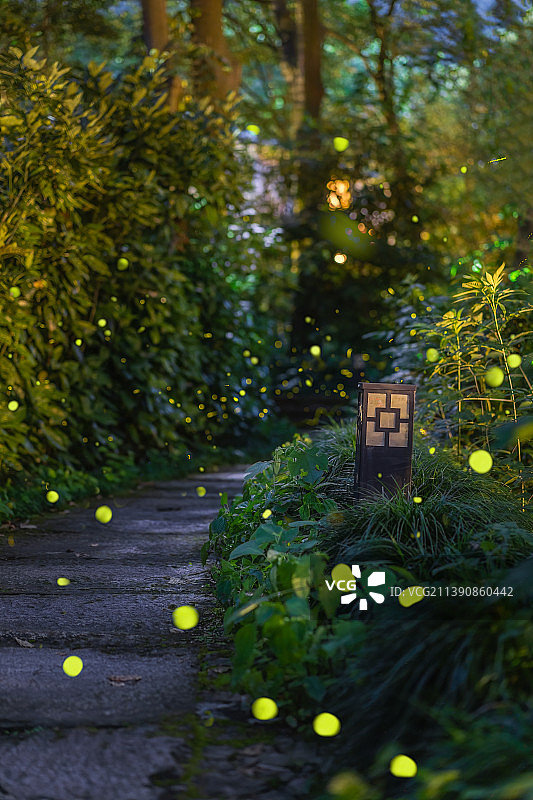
{"x":24,"y":495}
{"x":382,"y":673}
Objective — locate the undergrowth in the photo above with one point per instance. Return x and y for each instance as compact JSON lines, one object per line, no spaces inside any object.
{"x":385,"y":671}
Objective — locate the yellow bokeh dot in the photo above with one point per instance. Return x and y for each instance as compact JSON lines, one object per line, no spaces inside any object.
{"x":464,"y":169}
{"x":480,"y":461}
{"x":102,"y":323}
{"x":14,"y":291}
{"x":123,"y":263}
{"x":403,"y":767}
{"x":12,"y":405}
{"x":103,"y":514}
{"x":342,"y":572}
{"x":264,"y":708}
{"x":78,"y":342}
{"x":432,"y":451}
{"x":185,"y":617}
{"x":411,"y":595}
{"x":315,"y":350}
{"x":514,"y":360}
{"x":254,"y":360}
{"x":253,"y":129}
{"x":494,"y":376}
{"x":52,"y":496}
{"x":266,"y":513}
{"x":63,"y":581}
{"x":417,"y":499}
{"x":201,"y":491}
{"x":340,"y":143}
{"x":326,"y":724}
{"x":72,"y":666}
{"x":432,"y":354}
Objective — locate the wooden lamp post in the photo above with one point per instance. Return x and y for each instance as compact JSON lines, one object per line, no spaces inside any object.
{"x":384,"y":447}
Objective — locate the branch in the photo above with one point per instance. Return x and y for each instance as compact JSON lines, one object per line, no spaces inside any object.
{"x":245,"y":33}
{"x":352,"y":46}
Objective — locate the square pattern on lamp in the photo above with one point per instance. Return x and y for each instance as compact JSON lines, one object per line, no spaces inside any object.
{"x":387,"y":420}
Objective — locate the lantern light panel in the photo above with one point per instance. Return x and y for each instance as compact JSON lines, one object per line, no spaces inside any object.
{"x":384,"y":448}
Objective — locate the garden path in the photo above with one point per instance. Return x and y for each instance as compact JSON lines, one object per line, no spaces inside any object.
{"x":164,"y":731}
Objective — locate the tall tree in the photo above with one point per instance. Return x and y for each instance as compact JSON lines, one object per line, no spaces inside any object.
{"x":499,"y":101}
{"x":156,"y":37}
{"x":216,"y":72}
{"x":155,"y":24}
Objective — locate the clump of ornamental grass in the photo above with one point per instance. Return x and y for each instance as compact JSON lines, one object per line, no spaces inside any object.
{"x":487,"y":755}
{"x":467,"y":652}
{"x":447,"y":506}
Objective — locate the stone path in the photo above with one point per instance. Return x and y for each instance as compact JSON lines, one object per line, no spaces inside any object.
{"x":164,"y":731}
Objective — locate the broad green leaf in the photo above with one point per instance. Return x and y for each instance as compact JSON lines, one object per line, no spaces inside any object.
{"x":255,"y":469}
{"x":246,"y":549}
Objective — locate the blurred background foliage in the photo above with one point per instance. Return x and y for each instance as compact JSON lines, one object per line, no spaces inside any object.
{"x":309,"y":160}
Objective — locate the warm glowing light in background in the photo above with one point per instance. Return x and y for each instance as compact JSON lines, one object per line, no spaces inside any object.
{"x":339,"y":196}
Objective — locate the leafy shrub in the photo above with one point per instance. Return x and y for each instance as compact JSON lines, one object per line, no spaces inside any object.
{"x":385,"y":674}
{"x":122,"y":323}
{"x":464,"y":651}
{"x":489,"y":754}
{"x":473,"y":367}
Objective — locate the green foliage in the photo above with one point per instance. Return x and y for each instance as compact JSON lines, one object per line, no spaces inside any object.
{"x":472,"y":757}
{"x":474,"y":394}
{"x":465,"y":526}
{"x":384,"y":672}
{"x":266,"y":574}
{"x":497,"y":96}
{"x":463,"y":651}
{"x":59,"y":26}
{"x":110,"y":358}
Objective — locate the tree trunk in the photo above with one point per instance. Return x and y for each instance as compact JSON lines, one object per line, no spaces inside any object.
{"x":291,"y":64}
{"x":311,"y":166}
{"x":156,"y":37}
{"x":313,"y":170}
{"x":217,"y":72}
{"x":524,"y":239}
{"x":155,"y":24}
{"x":311,"y":37}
